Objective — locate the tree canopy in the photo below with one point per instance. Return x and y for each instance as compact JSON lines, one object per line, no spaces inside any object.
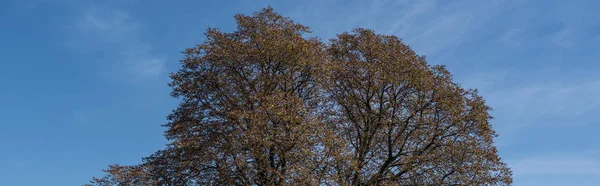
{"x":266,"y":105}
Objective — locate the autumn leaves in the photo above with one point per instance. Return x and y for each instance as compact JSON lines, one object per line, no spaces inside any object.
{"x":265,"y":106}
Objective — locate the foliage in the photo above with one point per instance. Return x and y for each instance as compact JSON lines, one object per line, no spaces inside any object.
{"x":264,"y":105}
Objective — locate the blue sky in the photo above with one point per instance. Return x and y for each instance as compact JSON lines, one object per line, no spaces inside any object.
{"x":84,"y":83}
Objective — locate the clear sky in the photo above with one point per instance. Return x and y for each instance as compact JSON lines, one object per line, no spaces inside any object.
{"x":84,"y":82}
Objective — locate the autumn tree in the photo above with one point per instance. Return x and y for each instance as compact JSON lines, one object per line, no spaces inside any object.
{"x":405,"y":122}
{"x":265,"y":105}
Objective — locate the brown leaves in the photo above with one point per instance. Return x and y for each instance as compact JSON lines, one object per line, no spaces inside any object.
{"x":265,"y":106}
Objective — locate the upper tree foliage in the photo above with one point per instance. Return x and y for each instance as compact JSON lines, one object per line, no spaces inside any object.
{"x":264,"y":105}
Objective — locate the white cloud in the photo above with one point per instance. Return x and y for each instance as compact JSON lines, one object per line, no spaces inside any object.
{"x":559,"y":165}
{"x":514,"y":37}
{"x":437,"y":28}
{"x":564,"y":38}
{"x":403,"y":23}
{"x":144,"y":65}
{"x":552,"y":98}
{"x":432,"y":28}
{"x":584,"y":167}
{"x":534,"y":102}
{"x":106,"y":21}
{"x":120,"y":32}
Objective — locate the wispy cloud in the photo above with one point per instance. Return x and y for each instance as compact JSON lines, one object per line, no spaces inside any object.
{"x":546,"y":169}
{"x":558,"y":165}
{"x":432,"y":28}
{"x":406,"y":20}
{"x":143,"y":63}
{"x":563,"y":38}
{"x":446,"y":25}
{"x":542,"y":98}
{"x":112,"y":24}
{"x":438,"y":28}
{"x":514,"y":37}
{"x":536,"y":102}
{"x":119,"y":31}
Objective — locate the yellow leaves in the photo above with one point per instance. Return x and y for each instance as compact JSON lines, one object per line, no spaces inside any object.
{"x":265,"y":106}
{"x":433,"y":106}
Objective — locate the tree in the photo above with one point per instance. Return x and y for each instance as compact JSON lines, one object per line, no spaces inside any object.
{"x":264,"y":105}
{"x":406,"y":122}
